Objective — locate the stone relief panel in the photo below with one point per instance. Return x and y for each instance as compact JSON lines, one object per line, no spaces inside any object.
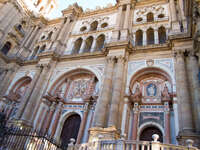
{"x":157,"y":117}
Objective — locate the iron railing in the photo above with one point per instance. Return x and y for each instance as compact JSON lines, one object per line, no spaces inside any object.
{"x":17,"y":138}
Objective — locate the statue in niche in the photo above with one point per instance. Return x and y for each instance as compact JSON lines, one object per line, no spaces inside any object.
{"x":151,"y":90}
{"x":137,"y":95}
{"x":165,"y":94}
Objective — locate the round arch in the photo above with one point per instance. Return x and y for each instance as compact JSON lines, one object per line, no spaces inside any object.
{"x":62,"y":120}
{"x":148,"y":72}
{"x":147,"y":125}
{"x":24,"y":81}
{"x":60,"y":78}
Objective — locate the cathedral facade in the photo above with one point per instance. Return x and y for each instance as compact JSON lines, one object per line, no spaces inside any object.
{"x":128,"y":70}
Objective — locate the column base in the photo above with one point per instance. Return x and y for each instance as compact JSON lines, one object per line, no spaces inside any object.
{"x":97,"y":133}
{"x":183,"y":136}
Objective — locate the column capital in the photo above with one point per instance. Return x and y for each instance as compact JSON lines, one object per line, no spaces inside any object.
{"x":121,"y":59}
{"x":111,"y":59}
{"x":179,"y":54}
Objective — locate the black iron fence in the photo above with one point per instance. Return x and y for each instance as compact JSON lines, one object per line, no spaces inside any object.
{"x":16,"y":138}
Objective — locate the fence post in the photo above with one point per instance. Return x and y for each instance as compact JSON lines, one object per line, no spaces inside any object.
{"x":155,"y":144}
{"x":121,"y":144}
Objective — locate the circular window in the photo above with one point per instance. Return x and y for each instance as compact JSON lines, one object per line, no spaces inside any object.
{"x":139,"y":19}
{"x":83,"y":28}
{"x":104,"y":25}
{"x":161,"y":16}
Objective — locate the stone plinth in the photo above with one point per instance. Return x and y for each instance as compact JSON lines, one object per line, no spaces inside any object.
{"x":97,"y":133}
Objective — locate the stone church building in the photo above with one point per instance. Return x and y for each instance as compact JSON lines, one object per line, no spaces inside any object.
{"x":128,"y":70}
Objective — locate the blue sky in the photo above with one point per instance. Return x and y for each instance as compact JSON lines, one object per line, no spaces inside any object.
{"x":62,"y":4}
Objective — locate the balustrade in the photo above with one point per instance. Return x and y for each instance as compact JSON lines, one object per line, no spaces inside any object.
{"x":131,"y":145}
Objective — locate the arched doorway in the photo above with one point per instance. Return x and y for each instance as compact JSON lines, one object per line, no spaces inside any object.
{"x":147,"y":133}
{"x":70,"y":129}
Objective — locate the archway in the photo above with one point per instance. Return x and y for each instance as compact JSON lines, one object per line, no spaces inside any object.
{"x":93,"y":26}
{"x":70,"y":129}
{"x":100,"y":42}
{"x":150,"y":36}
{"x":139,"y":38}
{"x":88,"y":44}
{"x":77,"y":46}
{"x":150,"y":17}
{"x":146,"y":134}
{"x":162,"y":35}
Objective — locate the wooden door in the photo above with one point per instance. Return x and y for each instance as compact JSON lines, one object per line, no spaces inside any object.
{"x":70,"y":129}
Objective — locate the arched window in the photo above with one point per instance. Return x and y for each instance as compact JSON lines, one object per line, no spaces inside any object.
{"x":139,"y":38}
{"x":6,"y":48}
{"x":100,"y":42}
{"x":150,"y":36}
{"x":93,"y":26}
{"x":77,"y":46}
{"x":88,"y":44}
{"x":150,"y":17}
{"x":70,"y":129}
{"x":162,"y":35}
{"x":35,"y":52}
{"x":104,"y":25}
{"x":42,"y":49}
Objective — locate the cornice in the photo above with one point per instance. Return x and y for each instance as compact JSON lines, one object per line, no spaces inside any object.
{"x":100,"y":11}
{"x":150,"y":2}
{"x":83,"y":56}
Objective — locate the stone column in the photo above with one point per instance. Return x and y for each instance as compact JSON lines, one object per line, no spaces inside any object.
{"x":30,"y":40}
{"x":126,"y":21}
{"x":156,"y":36}
{"x":167,"y":123}
{"x":144,"y":38}
{"x":193,"y":73}
{"x":63,"y":30}
{"x":118,"y":20}
{"x":116,"y":96}
{"x":100,"y":115}
{"x":83,"y":124}
{"x":93,"y":45}
{"x":82,"y":47}
{"x":49,"y":117}
{"x":27,"y":36}
{"x":4,"y":85}
{"x":124,"y":116}
{"x":173,"y":10}
{"x":181,"y":5}
{"x":56,"y":118}
{"x":135,"y":121}
{"x":39,"y":116}
{"x":28,"y":93}
{"x":176,"y":116}
{"x":27,"y":116}
{"x":184,"y":105}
